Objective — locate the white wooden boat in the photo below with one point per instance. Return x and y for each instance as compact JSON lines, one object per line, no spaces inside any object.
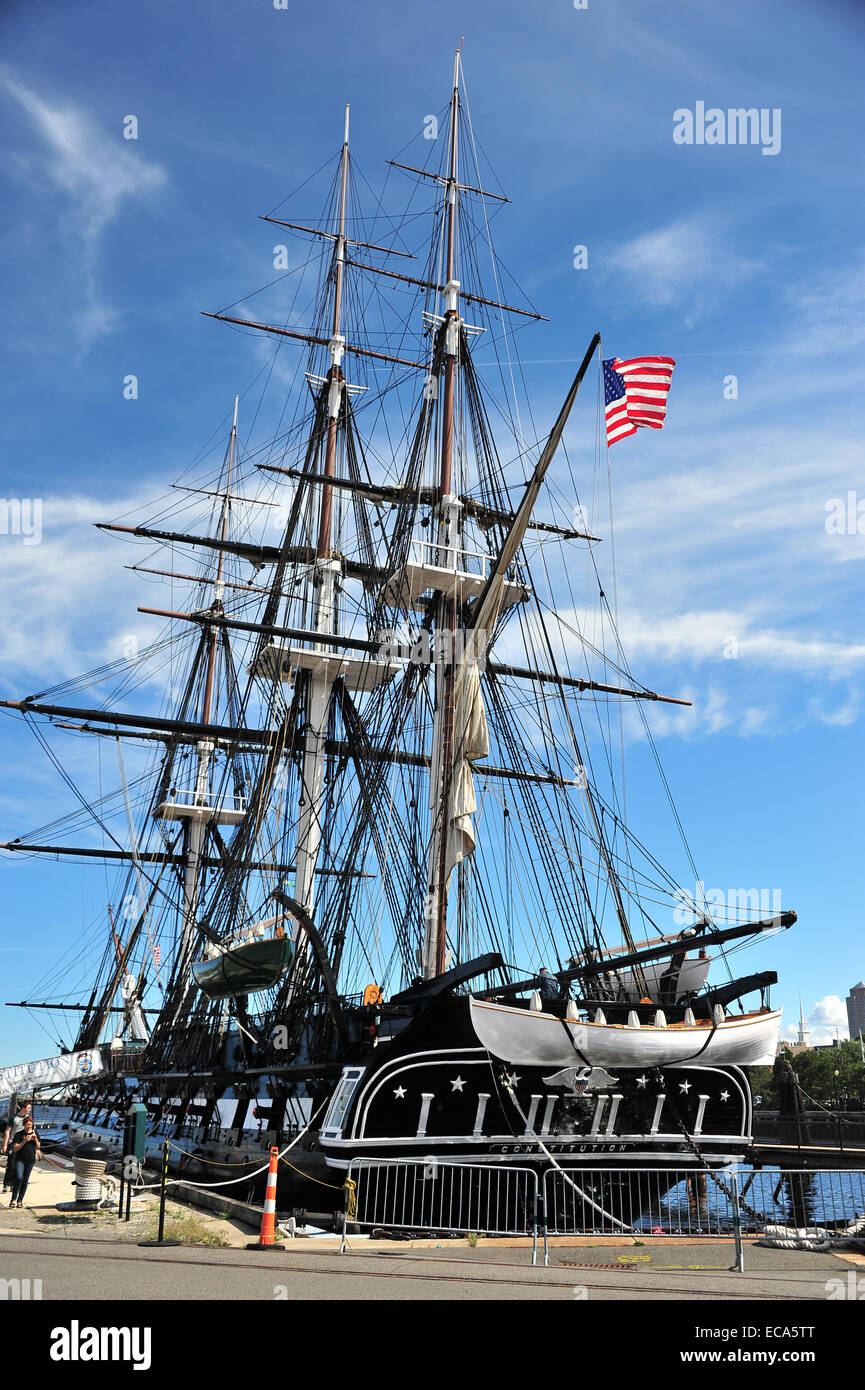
{"x":528,"y":1037}
{"x":691,"y":978}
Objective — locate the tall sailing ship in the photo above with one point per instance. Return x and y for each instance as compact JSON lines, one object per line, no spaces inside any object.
{"x":379,"y":810}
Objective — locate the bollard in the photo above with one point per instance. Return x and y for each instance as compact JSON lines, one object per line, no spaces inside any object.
{"x":268,"y":1220}
{"x":90,"y":1160}
{"x":160,"y":1238}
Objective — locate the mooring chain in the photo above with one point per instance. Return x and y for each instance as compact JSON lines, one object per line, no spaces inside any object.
{"x":735,"y":1200}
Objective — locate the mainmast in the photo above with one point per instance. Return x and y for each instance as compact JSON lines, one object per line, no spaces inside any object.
{"x":449,"y":509}
{"x":327,"y":570}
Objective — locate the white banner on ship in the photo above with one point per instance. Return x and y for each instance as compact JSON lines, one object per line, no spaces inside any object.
{"x":53,"y":1071}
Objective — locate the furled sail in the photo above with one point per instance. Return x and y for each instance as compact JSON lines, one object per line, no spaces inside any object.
{"x":134,"y":1017}
{"x":471,"y":741}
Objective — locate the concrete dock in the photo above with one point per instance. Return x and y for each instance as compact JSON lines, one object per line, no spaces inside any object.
{"x":93,"y":1255}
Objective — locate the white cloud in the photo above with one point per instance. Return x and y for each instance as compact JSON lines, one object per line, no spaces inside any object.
{"x":727,"y":584}
{"x":77,"y":602}
{"x":689,"y":261}
{"x":826,"y":1022}
{"x":729,"y":635}
{"x":829,"y":1011}
{"x":828,"y":311}
{"x":646,"y":46}
{"x":704,"y":636}
{"x":98,"y":173}
{"x":845,"y":714}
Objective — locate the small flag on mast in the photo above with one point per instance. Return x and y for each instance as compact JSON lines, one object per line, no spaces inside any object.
{"x":635,"y":394}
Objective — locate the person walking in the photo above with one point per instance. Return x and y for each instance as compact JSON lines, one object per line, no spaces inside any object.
{"x":27,"y":1150}
{"x":13,"y":1129}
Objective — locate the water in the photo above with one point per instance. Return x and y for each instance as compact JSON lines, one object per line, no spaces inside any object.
{"x":798,"y":1199}
{"x":822,"y":1198}
{"x":50,"y":1119}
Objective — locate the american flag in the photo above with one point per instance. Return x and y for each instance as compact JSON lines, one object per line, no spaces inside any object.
{"x":635,"y":394}
{"x":157,"y":955}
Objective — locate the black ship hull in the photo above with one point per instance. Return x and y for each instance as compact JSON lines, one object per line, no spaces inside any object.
{"x":430,"y":1093}
{"x":433,"y":1091}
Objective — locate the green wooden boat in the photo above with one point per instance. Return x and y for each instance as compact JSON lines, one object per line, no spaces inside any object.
{"x":245,"y":969}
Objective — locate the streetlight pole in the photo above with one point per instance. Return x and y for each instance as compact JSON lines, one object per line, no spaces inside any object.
{"x":836,"y":1073}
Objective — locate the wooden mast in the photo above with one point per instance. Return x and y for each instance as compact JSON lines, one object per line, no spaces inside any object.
{"x":336,"y":347}
{"x":449,"y":508}
{"x":327,"y":570}
{"x":219,"y":584}
{"x":196,"y":825}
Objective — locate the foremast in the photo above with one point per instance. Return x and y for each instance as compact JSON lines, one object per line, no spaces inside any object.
{"x":201,"y":808}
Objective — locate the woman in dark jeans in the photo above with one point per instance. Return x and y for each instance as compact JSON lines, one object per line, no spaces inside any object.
{"x":26,"y":1151}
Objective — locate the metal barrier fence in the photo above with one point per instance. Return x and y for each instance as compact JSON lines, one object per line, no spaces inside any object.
{"x":428,"y":1195}
{"x":458,"y":1198}
{"x":645,"y":1201}
{"x":674,"y":1202}
{"x":826,"y":1198}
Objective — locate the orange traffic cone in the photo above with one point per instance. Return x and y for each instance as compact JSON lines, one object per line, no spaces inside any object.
{"x":268,"y":1220}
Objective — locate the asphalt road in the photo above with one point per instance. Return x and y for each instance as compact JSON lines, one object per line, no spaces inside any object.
{"x":72,"y":1270}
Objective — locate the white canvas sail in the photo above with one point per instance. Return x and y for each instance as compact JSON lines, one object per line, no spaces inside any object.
{"x":471,"y":740}
{"x":133,"y":1019}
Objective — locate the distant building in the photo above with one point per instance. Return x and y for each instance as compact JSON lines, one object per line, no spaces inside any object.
{"x":803,"y":1037}
{"x":856,"y":1010}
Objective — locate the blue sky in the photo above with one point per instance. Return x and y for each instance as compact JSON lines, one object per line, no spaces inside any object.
{"x":731,"y":590}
